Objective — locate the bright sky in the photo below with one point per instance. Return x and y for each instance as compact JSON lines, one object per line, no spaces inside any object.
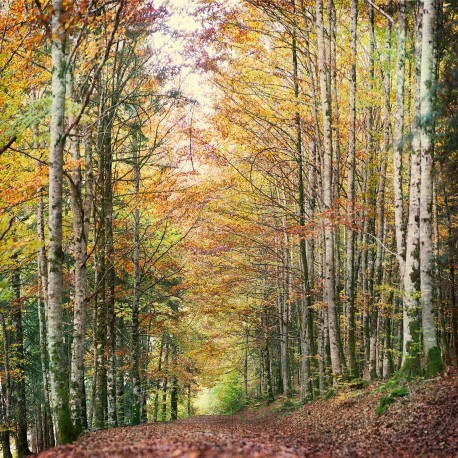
{"x":172,"y":44}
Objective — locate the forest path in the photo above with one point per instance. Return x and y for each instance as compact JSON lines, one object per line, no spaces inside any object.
{"x":423,"y":423}
{"x":205,"y":436}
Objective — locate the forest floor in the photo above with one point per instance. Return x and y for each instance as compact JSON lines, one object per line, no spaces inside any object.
{"x":421,"y":419}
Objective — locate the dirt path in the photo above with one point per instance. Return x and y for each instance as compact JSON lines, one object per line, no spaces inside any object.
{"x":421,"y":424}
{"x":198,"y":437}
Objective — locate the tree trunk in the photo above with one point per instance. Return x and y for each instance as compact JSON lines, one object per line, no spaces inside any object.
{"x":387,"y":361}
{"x":42,"y":312}
{"x":306,"y":303}
{"x":110,"y":289}
{"x":99,"y":400}
{"x":57,"y":367}
{"x":158,"y":383}
{"x":174,"y":383}
{"x":329,"y":278}
{"x":135,"y":343}
{"x":410,"y":352}
{"x":81,"y":209}
{"x":427,"y":96}
{"x":188,"y":403}
{"x":164,"y":382}
{"x":19,"y":366}
{"x":350,"y":246}
{"x":398,"y":135}
{"x":6,"y":392}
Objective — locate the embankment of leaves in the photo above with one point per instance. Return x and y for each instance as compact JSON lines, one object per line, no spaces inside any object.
{"x":418,"y":418}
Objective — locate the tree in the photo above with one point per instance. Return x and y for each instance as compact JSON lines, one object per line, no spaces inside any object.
{"x":427,"y":97}
{"x":57,"y":368}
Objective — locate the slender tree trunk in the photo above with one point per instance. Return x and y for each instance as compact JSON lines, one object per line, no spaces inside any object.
{"x":350,"y":246}
{"x":6,"y":391}
{"x":329,"y":278}
{"x":265,"y":371}
{"x":306,"y":303}
{"x":81,"y":209}
{"x":386,"y":369}
{"x":42,"y":312}
{"x":372,"y":149}
{"x":174,"y":383}
{"x":398,"y":135}
{"x":135,"y":343}
{"x":164,"y":383}
{"x":121,"y":375}
{"x":283,"y":289}
{"x":188,"y":404}
{"x":19,"y":385}
{"x":410,"y":353}
{"x":440,"y":293}
{"x":57,"y":366}
{"x":4,"y":423}
{"x":110,"y":290}
{"x":99,"y":400}
{"x":427,"y":96}
{"x":158,"y":383}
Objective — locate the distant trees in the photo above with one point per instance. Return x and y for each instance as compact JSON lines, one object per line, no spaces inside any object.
{"x":336,"y":142}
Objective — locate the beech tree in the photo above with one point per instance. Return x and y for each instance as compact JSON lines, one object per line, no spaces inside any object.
{"x":57,"y":369}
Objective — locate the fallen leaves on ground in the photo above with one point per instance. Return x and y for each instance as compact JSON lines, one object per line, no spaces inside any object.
{"x":198,"y":437}
{"x":425,"y":423}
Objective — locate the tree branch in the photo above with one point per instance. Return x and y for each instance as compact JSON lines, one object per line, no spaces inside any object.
{"x":5,"y":147}
{"x":97,"y":71}
{"x":377,"y":8}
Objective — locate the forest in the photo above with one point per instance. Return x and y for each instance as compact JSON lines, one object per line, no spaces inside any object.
{"x":207,"y":205}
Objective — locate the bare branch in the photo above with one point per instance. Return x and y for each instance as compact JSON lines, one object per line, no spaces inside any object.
{"x":377,"y":8}
{"x":97,"y":71}
{"x":5,"y":147}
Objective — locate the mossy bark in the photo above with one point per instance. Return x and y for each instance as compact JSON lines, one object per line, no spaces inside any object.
{"x":434,"y":363}
{"x":411,"y":359}
{"x":57,"y":364}
{"x":427,"y":115}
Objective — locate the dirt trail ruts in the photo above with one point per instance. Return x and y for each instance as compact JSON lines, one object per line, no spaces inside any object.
{"x":198,"y":437}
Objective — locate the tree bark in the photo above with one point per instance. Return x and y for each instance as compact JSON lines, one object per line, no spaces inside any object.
{"x":49,"y":440}
{"x":398,"y":135}
{"x":6,"y":391}
{"x":81,"y":203}
{"x":19,"y":365}
{"x":410,"y":352}
{"x":427,"y":96}
{"x":350,"y":245}
{"x":135,"y":342}
{"x":329,"y":278}
{"x":57,"y":367}
{"x":174,"y":383}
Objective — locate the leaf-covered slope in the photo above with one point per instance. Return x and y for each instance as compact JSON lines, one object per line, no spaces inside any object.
{"x":423,"y":423}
